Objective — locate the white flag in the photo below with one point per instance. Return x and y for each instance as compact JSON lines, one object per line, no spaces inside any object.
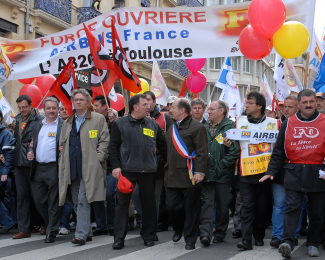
{"x":285,"y":75}
{"x":10,"y":117}
{"x":230,"y":91}
{"x":5,"y":68}
{"x":5,"y":106}
{"x":158,"y":85}
{"x":266,"y":91}
{"x":112,"y":95}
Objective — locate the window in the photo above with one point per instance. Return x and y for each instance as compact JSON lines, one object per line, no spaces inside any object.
{"x":234,"y":63}
{"x":87,"y":3}
{"x":247,"y":66}
{"x":38,"y":35}
{"x":215,"y":63}
{"x":227,"y":2}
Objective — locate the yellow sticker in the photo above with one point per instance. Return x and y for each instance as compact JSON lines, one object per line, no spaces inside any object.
{"x":52,"y":134}
{"x":93,"y":133}
{"x":148,"y":132}
{"x":219,"y":138}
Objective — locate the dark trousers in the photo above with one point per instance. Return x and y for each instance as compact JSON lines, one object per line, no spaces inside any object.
{"x":184,"y":206}
{"x":22,"y":175}
{"x":45,"y":190}
{"x":146,"y":182}
{"x":219,"y":194}
{"x":256,"y":204}
{"x":294,"y":200}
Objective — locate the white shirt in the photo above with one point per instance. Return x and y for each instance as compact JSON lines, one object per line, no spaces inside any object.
{"x":46,"y":143}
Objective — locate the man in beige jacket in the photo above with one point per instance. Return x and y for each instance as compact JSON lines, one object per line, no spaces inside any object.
{"x":82,"y":163}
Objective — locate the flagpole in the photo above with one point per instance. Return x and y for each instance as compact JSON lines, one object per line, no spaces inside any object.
{"x":102,"y":88}
{"x":306,"y":70}
{"x":43,"y":98}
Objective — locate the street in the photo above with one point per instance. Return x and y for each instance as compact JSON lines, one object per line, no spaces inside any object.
{"x":34,"y":248}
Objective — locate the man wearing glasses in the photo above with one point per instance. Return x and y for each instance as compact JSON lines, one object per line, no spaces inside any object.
{"x":27,"y":120}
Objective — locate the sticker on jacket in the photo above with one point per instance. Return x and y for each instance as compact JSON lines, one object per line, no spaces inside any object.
{"x":23,"y":125}
{"x":93,"y":133}
{"x":148,"y":132}
{"x":219,"y":138}
{"x":52,"y":134}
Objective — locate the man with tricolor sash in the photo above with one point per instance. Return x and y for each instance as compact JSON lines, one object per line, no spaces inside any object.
{"x":300,"y":151}
{"x":187,"y":164}
{"x":254,"y":159}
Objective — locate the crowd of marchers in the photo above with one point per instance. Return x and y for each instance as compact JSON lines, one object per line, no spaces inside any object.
{"x":100,"y":174}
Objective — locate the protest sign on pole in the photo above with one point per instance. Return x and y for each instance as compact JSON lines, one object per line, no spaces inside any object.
{"x":266,"y":91}
{"x":147,"y":34}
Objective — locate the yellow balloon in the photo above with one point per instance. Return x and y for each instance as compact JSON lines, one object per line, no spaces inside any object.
{"x":144,"y":87}
{"x":0,"y":93}
{"x":291,"y":40}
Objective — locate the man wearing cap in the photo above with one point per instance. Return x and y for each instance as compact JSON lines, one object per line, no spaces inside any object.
{"x":132,"y":149}
{"x":187,"y":144}
{"x":269,"y":112}
{"x":320,"y":101}
{"x":170,"y":101}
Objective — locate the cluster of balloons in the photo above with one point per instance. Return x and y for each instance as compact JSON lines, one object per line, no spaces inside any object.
{"x":268,"y":28}
{"x":196,"y":81}
{"x":38,"y":90}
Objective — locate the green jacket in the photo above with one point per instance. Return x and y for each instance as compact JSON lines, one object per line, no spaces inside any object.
{"x":221,"y":160}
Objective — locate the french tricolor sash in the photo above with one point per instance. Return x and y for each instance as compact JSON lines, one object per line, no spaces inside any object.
{"x":182,"y":150}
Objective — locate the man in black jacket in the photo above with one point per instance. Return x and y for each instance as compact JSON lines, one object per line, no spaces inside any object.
{"x":132,"y":150}
{"x":300,"y":143}
{"x":26,"y":122}
{"x":44,"y":174}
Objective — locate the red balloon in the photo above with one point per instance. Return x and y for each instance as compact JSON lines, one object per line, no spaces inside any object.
{"x":44,"y":83}
{"x":253,"y":45}
{"x":266,"y":16}
{"x":195,"y":64}
{"x":34,"y":92}
{"x":119,"y":104}
{"x":196,"y":82}
{"x":26,"y":81}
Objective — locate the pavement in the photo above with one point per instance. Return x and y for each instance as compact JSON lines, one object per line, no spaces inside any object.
{"x":34,"y":248}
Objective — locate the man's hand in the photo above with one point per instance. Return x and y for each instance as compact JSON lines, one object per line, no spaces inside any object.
{"x":4,"y":177}
{"x":266,"y":177}
{"x":30,"y":156}
{"x":116,"y":173}
{"x":61,"y":149}
{"x":198,"y":178}
{"x":2,"y":158}
{"x":227,"y":142}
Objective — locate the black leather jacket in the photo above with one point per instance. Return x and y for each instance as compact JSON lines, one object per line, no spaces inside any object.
{"x":133,"y":144}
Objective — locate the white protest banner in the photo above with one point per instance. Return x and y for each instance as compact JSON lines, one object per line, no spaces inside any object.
{"x":5,"y":68}
{"x":253,"y":136}
{"x":147,"y":34}
{"x":158,"y":85}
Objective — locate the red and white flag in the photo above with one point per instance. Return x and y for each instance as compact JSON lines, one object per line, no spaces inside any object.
{"x":123,"y":69}
{"x":64,"y":84}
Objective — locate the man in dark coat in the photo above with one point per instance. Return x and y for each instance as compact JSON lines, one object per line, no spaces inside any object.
{"x":26,"y":122}
{"x":183,"y":181}
{"x":301,"y":143}
{"x":216,"y":187}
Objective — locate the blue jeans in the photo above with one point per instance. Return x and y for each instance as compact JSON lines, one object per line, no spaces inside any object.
{"x":66,"y":215}
{"x":5,"y":204}
{"x":106,"y":220}
{"x":279,"y":207}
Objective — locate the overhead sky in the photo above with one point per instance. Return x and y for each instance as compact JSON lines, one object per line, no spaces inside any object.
{"x":319,"y":21}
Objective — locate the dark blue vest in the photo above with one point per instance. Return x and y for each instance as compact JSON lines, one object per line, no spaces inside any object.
{"x":75,"y":153}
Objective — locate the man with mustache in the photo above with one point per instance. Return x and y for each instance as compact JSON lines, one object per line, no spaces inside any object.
{"x":44,"y":155}
{"x":300,"y":150}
